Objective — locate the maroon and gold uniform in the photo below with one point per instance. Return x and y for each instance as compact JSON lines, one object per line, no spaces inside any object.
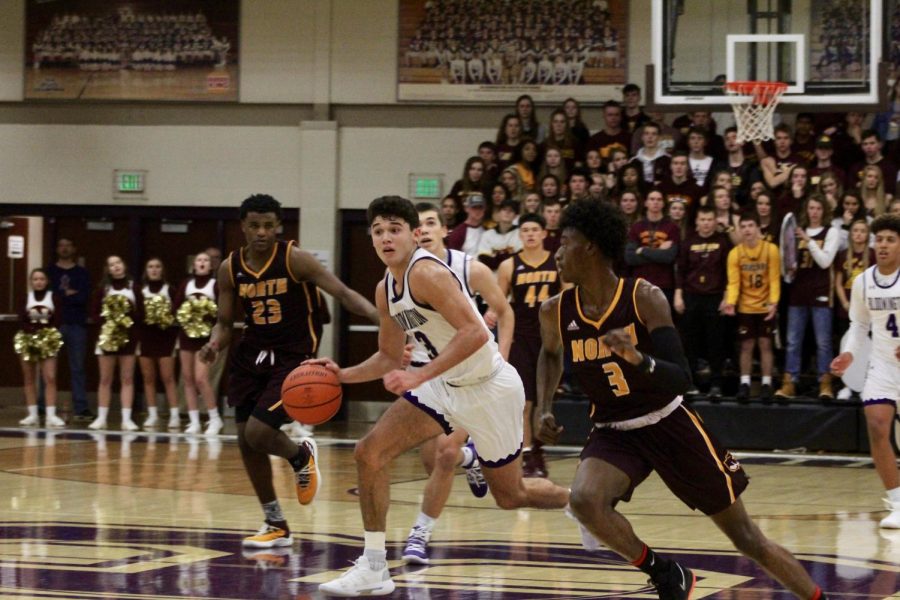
{"x":637,"y":428}
{"x":283,"y":319}
{"x":530,"y":285}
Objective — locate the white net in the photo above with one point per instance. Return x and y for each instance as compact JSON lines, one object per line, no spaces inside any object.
{"x":754,"y":104}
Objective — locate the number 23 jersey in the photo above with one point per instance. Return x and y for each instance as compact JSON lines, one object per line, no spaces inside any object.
{"x":617,"y":389}
{"x":279,"y":308}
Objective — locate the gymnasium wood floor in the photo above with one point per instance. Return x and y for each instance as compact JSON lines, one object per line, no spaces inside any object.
{"x":161,"y":516}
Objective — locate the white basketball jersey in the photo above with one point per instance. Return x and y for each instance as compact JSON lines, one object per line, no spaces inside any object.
{"x":163,"y":291}
{"x":208,"y":290}
{"x":459,"y":263}
{"x":430,"y":329}
{"x":40,"y":311}
{"x":882,"y":298}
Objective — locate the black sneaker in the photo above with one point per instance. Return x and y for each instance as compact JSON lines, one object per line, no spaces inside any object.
{"x":677,"y":584}
{"x":715,"y":394}
{"x":743,"y":394}
{"x":85,"y":416}
{"x":765,"y":393}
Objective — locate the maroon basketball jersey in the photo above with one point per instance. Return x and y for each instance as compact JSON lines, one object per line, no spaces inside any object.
{"x":531,"y":285}
{"x":281,"y":310}
{"x":617,"y":389}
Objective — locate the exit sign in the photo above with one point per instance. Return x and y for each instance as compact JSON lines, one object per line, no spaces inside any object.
{"x":426,"y":186}
{"x":129,"y":184}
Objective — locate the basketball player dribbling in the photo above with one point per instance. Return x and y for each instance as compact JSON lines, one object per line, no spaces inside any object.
{"x":275,"y":283}
{"x":627,"y":356}
{"x":466,"y":385}
{"x":875,"y":306}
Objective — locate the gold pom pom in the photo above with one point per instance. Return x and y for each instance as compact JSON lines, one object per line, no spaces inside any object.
{"x":48,"y":341}
{"x":116,"y":323}
{"x":158,"y":310}
{"x":197,"y":317}
{"x":24,"y":345}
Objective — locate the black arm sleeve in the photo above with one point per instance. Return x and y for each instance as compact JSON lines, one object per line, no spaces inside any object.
{"x":671,"y":372}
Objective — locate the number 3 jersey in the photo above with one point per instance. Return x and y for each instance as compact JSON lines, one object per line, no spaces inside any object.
{"x":433,"y":332}
{"x":618,"y":390}
{"x":280,"y":310}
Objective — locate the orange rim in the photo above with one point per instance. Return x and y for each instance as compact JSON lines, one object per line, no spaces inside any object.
{"x":762,"y":92}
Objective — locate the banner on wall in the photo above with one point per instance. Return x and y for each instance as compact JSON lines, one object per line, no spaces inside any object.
{"x":132,"y":50}
{"x":484,"y":50}
{"x":838,"y":29}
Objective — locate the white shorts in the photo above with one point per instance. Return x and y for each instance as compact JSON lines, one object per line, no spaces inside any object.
{"x":491,"y":412}
{"x":882,"y":382}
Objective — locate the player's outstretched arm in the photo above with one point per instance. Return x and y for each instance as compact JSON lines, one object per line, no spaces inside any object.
{"x":549,"y":372}
{"x":859,"y":328}
{"x":390,"y":354}
{"x":668,"y":366}
{"x":484,"y":284}
{"x":220,"y":337}
{"x":306,"y":266}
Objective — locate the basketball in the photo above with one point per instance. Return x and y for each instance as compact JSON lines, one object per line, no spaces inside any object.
{"x":311,"y":394}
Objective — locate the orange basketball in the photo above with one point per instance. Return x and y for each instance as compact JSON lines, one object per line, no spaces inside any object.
{"x":311,"y":394}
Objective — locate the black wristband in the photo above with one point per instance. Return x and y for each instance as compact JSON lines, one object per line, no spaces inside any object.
{"x":647,"y":364}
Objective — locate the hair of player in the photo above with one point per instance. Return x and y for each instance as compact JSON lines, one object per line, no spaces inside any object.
{"x":393,"y":206}
{"x":533,"y":218}
{"x":602,"y":223}
{"x":886,"y":222}
{"x":423,"y":207}
{"x":260,"y":203}
{"x":749,"y":214}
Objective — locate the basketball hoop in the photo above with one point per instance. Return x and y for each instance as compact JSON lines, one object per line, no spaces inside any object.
{"x":754,"y":104}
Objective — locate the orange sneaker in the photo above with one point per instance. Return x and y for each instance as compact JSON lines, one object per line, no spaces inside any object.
{"x":308,"y":476}
{"x":268,"y":536}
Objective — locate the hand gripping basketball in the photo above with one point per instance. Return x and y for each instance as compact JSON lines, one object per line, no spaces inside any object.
{"x":311,"y":394}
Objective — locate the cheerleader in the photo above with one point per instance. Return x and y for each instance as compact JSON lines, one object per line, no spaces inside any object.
{"x":157,"y":344}
{"x":195,"y":372}
{"x":40,"y":313}
{"x":118,"y":340}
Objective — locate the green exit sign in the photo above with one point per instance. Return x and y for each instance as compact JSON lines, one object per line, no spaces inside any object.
{"x":426,"y":186}
{"x":129,"y":184}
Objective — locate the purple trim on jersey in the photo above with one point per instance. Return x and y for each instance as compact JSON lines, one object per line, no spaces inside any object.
{"x":888,"y":286}
{"x":496,"y":464}
{"x":875,"y":401}
{"x":443,"y":264}
{"x":414,"y":400}
{"x":417,"y":364}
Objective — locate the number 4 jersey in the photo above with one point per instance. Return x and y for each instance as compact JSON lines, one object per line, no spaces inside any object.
{"x":280,"y":310}
{"x":618,"y":390}
{"x":531,"y":285}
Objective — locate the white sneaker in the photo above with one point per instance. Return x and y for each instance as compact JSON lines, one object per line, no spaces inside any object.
{"x":29,"y":421}
{"x":150,"y":423}
{"x":295,"y":430}
{"x":174,"y":422}
{"x":360,"y":580}
{"x":892,"y":521}
{"x":214,"y":427}
{"x":845,"y":394}
{"x":98,"y":424}
{"x":129,"y":425}
{"x":55,"y":422}
{"x":588,"y":541}
{"x":193,"y":428}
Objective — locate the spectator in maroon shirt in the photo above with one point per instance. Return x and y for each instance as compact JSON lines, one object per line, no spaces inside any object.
{"x":804,"y":137}
{"x":613,"y":134}
{"x":679,"y":184}
{"x":700,"y":280}
{"x":653,"y":246}
{"x":822,"y":163}
{"x":871,"y":147}
{"x":777,"y":168}
{"x":509,"y":136}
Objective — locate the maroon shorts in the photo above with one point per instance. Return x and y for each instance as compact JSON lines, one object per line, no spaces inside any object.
{"x":156,"y":342}
{"x":523,"y":355}
{"x":254,"y":386}
{"x":751,"y":326}
{"x":189,"y":344}
{"x":688,"y":459}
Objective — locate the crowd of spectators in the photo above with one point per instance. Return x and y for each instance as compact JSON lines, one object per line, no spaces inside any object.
{"x":706,"y":216}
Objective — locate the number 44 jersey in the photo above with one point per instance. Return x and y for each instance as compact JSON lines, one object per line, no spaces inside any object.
{"x":281,"y":311}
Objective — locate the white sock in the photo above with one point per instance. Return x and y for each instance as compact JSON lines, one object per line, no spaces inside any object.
{"x":194,"y":416}
{"x":152,"y":412}
{"x":425,"y":521}
{"x":32,"y":411}
{"x":767,"y":380}
{"x":51,"y":412}
{"x":745,"y":379}
{"x":894,"y":495}
{"x":173,"y":412}
{"x":375,"y":551}
{"x":102,"y":412}
{"x":213,"y":414}
{"x":468,"y":457}
{"x":126,"y":414}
